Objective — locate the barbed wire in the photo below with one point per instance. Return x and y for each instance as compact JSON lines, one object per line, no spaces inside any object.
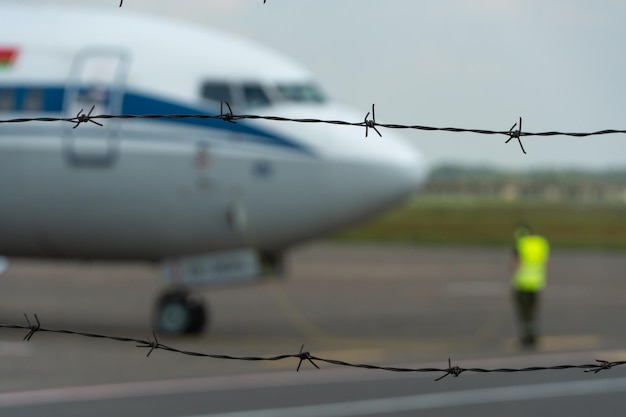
{"x":153,"y":344}
{"x":367,"y":123}
{"x":122,"y":2}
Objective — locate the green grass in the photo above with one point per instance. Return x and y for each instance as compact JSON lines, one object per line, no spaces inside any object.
{"x":436,"y":220}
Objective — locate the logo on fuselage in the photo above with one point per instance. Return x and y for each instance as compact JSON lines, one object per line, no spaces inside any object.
{"x":8,"y":55}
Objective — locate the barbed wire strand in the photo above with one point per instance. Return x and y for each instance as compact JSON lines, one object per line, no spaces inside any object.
{"x":122,"y":2}
{"x":229,"y":116}
{"x":153,"y":344}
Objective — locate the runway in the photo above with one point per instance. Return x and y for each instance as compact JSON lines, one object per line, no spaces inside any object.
{"x":383,"y":305}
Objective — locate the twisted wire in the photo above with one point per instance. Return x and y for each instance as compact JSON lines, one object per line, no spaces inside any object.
{"x":153,"y":344}
{"x":367,"y":123}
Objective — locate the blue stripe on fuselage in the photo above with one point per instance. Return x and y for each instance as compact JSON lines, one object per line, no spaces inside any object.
{"x":22,"y":98}
{"x":50,"y":99}
{"x":141,"y":104}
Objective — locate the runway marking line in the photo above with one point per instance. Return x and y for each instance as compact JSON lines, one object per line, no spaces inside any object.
{"x":440,"y":400}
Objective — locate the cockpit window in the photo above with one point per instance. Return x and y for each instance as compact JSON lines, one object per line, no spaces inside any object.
{"x":217,"y":91}
{"x":251,"y":94}
{"x":303,"y":93}
{"x":255,"y":96}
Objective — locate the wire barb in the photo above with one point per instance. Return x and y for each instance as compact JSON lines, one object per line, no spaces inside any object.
{"x":452,"y":370}
{"x":34,"y":328}
{"x":371,"y":123}
{"x":304,"y":355}
{"x":601,"y":366}
{"x":122,"y":1}
{"x":84,"y":118}
{"x":515,"y":134}
{"x":152,"y":344}
{"x":228,"y":116}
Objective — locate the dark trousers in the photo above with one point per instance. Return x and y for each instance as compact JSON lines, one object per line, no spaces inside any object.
{"x":527,"y":303}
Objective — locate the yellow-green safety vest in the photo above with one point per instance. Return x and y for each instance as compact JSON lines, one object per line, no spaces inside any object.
{"x":532,"y":252}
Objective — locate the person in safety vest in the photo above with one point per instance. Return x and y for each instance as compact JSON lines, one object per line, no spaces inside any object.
{"x":530,"y":259}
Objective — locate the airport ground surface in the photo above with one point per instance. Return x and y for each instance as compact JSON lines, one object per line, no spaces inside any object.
{"x":392,"y":305}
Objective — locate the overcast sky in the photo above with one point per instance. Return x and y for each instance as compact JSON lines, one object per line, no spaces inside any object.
{"x":559,"y":64}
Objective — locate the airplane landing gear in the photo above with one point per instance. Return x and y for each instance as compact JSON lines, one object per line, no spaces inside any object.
{"x":177,"y":312}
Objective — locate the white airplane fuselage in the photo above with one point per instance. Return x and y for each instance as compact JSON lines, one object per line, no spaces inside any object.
{"x":150,"y":189}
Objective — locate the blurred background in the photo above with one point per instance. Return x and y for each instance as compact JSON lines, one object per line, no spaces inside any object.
{"x":429,"y":279}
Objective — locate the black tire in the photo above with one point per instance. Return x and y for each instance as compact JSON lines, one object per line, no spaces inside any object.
{"x":178,"y":313}
{"x":198,"y":316}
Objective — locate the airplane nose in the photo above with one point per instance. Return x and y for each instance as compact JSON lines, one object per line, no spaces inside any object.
{"x":362,"y":175}
{"x":381,"y":173}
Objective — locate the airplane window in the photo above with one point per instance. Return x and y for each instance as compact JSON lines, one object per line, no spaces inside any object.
{"x":255,"y":96}
{"x":305,"y":93}
{"x":33,"y":100}
{"x":217,"y":92}
{"x":7,"y":99}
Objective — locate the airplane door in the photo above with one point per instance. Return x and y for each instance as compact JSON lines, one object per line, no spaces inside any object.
{"x":97,"y":79}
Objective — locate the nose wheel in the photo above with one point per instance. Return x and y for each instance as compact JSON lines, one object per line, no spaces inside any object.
{"x":177,"y":312}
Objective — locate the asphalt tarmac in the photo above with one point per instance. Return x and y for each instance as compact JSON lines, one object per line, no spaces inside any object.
{"x":383,"y":305}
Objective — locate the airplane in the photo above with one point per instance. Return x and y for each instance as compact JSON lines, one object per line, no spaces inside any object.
{"x":212,"y":201}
